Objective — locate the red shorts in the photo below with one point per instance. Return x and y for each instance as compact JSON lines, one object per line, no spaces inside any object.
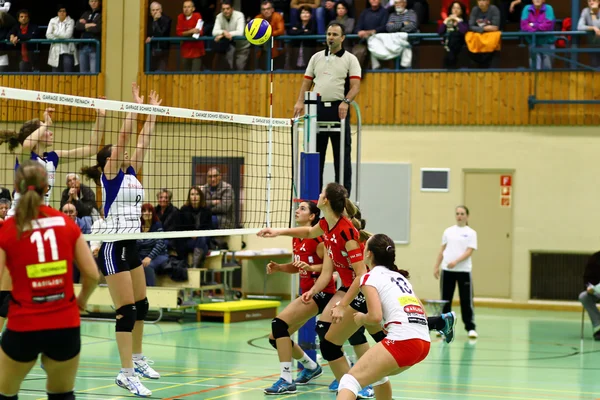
{"x":407,"y":352}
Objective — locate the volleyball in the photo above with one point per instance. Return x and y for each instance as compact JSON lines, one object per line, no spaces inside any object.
{"x":258,"y":31}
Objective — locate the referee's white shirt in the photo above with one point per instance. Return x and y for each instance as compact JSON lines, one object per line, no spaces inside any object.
{"x":330,"y":71}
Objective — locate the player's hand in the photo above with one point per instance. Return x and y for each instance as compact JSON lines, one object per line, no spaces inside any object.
{"x":268,"y":233}
{"x":337,"y":313}
{"x":101,"y":112}
{"x":81,"y":304}
{"x":302,"y":265}
{"x":146,"y":261}
{"x":298,"y":109}
{"x":272,"y":267}
{"x":95,"y":252}
{"x":360,"y":318}
{"x":436,"y":272}
{"x":307,"y":296}
{"x":135,"y":91}
{"x":343,"y":110}
{"x":48,"y":116}
{"x":153,"y":98}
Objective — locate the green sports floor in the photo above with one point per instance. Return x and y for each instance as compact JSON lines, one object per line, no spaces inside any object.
{"x":519,"y":355}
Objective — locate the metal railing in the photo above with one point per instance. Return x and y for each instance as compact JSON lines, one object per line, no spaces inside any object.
{"x":570,"y":37}
{"x":39,"y":45}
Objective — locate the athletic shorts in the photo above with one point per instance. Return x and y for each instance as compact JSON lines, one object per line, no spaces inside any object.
{"x":407,"y":352}
{"x":115,"y":257}
{"x":56,"y":344}
{"x":359,"y":303}
{"x":322,"y":299}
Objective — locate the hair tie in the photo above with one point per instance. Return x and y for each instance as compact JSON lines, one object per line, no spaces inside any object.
{"x":30,"y":187}
{"x":388,"y":249}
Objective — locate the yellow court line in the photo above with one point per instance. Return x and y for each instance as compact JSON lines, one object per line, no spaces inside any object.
{"x":198,"y":381}
{"x":504,"y":387}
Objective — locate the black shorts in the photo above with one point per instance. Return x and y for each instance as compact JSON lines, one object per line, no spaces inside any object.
{"x":322,"y":299}
{"x":56,"y":344}
{"x":115,"y":257}
{"x":359,"y":303}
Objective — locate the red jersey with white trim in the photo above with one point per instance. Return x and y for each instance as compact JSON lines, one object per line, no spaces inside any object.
{"x":305,"y":250}
{"x":403,"y":316}
{"x":40,"y":263}
{"x":335,"y":243}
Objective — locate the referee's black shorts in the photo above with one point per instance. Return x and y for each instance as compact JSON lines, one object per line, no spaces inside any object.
{"x":56,"y":344}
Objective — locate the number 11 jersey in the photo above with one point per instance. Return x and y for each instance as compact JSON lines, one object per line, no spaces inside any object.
{"x":122,"y":199}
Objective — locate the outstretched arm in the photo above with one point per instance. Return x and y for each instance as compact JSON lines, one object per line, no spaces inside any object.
{"x":302,"y":232}
{"x":92,"y":147}
{"x":32,"y":140}
{"x":143,"y":142}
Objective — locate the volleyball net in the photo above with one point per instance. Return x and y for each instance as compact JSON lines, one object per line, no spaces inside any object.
{"x":237,"y":168}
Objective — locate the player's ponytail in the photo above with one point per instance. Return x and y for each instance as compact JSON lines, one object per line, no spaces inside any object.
{"x":16,"y":139}
{"x":358,"y":221}
{"x":31,"y":183}
{"x":94,"y":173}
{"x":384,"y":253}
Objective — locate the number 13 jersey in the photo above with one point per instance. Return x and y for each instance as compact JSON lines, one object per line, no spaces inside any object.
{"x":403,"y":316}
{"x":122,"y":199}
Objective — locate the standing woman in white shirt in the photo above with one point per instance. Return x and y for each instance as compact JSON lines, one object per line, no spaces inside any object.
{"x":62,"y":56}
{"x":458,"y":243}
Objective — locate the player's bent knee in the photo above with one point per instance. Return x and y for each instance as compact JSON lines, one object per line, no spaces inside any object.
{"x":330,"y":351}
{"x":381,"y":381}
{"x":279,"y":328}
{"x":126,"y":318}
{"x":358,"y":337}
{"x":350,"y":383}
{"x":61,"y":396}
{"x":379,"y":336}
{"x":322,"y":328}
{"x":141,"y":308}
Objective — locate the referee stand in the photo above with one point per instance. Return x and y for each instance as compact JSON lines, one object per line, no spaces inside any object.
{"x":308,"y":180}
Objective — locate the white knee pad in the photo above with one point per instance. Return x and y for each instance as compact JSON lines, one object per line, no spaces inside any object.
{"x":349,"y":382}
{"x":381,"y":381}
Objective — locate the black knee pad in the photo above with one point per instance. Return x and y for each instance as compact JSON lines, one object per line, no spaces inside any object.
{"x":61,"y":396}
{"x":379,"y":336}
{"x":3,"y":397}
{"x":127,"y":320}
{"x":141,"y":308}
{"x":273,"y":343}
{"x":330,"y":351}
{"x":4,"y":301}
{"x":279,"y":328}
{"x":358,"y":337}
{"x":321,"y":329}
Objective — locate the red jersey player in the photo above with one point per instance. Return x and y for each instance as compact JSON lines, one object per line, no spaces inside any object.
{"x":38,"y":246}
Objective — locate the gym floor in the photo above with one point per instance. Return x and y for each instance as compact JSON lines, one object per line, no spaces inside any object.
{"x":519,"y":355}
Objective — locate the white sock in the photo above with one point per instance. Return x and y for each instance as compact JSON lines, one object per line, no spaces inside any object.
{"x":307,"y":362}
{"x":138,"y":357}
{"x":286,"y":371}
{"x":128,"y":372}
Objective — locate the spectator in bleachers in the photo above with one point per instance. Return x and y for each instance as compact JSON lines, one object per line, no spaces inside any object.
{"x":275,"y":19}
{"x":4,"y":207}
{"x":230,"y":23}
{"x":453,"y":30}
{"x":484,"y":37}
{"x":295,"y":9}
{"x":6,"y":24}
{"x":159,"y":26}
{"x":80,"y":195}
{"x":166,"y":211}
{"x":539,"y":17}
{"x":327,"y":13}
{"x":220,"y":199}
{"x":84,"y":224}
{"x":152,"y":252}
{"x":342,"y":12}
{"x":591,"y":296}
{"x":447,"y":5}
{"x":190,"y":23}
{"x":194,"y":216}
{"x":402,"y":19}
{"x":511,"y":10}
{"x":19,"y":35}
{"x":590,"y":21}
{"x":371,"y":21}
{"x":302,"y":50}
{"x":420,"y":7}
{"x":62,"y":56}
{"x":90,"y":26}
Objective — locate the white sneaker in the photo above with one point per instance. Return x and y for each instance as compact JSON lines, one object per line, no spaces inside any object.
{"x":133,"y":384}
{"x":473,"y":334}
{"x":144,"y":369}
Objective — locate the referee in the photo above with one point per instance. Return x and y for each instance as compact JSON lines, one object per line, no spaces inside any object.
{"x":336,"y":75}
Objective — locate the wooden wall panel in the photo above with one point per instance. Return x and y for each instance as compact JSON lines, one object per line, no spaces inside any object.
{"x":411,"y":98}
